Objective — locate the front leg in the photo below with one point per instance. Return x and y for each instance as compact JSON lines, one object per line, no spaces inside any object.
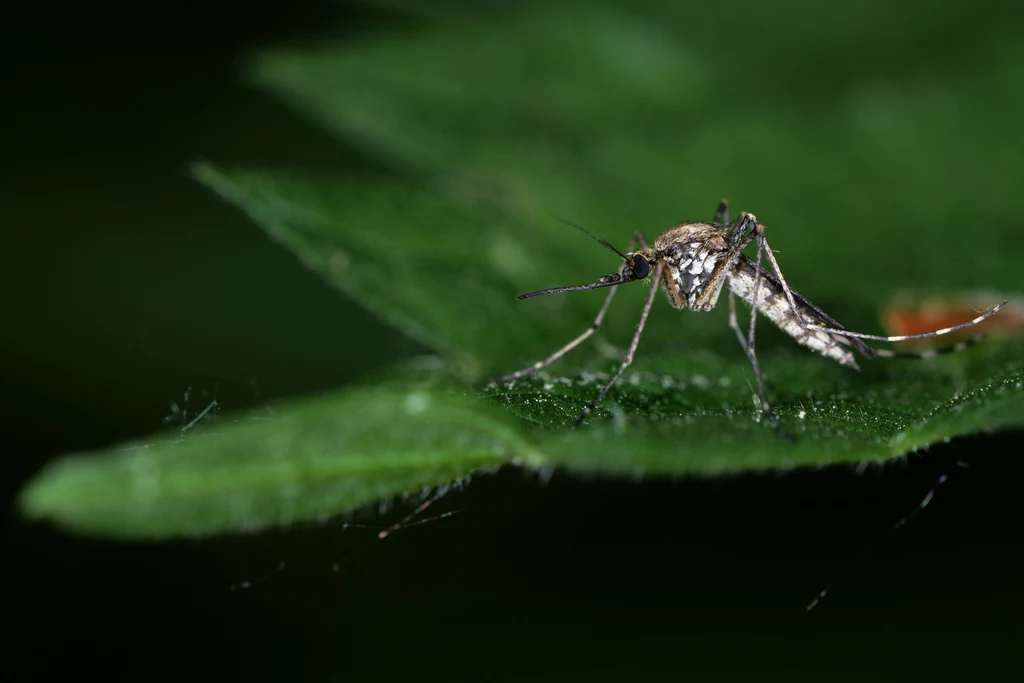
{"x":658,"y":270}
{"x":583,"y":336}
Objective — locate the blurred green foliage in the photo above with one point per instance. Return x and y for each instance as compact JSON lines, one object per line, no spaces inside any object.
{"x":330,"y":454}
{"x":882,"y":157}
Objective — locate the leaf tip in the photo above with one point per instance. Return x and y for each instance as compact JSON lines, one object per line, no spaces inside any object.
{"x":40,"y":497}
{"x":203,"y":171}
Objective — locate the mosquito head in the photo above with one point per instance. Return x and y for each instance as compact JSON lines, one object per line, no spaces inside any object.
{"x":640,"y":265}
{"x":636,"y":267}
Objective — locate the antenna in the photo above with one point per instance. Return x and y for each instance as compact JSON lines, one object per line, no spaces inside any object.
{"x":594,"y":237}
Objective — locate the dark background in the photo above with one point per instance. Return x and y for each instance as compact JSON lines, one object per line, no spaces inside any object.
{"x":125,"y":283}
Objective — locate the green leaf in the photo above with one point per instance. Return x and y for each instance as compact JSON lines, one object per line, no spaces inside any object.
{"x":679,"y":414}
{"x":462,"y":303}
{"x":876,"y":176}
{"x":309,"y":461}
{"x":433,"y":268}
{"x":622,"y":119}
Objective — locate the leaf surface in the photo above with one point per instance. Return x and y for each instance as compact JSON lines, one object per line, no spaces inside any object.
{"x":895,"y":176}
{"x":305,"y":462}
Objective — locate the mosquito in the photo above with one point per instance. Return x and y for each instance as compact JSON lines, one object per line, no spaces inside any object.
{"x":692,"y":262}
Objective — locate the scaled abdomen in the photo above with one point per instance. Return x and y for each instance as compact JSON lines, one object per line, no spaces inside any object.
{"x":772,"y":302}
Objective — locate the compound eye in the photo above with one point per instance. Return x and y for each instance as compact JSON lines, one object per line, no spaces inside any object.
{"x":641,"y":267}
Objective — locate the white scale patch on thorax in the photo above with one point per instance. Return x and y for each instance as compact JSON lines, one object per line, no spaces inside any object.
{"x":695,"y":270}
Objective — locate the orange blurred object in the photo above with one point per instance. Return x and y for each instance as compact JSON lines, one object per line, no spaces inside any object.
{"x":905,"y":316}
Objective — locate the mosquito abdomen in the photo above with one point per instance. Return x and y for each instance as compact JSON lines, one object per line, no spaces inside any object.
{"x":773,"y":304}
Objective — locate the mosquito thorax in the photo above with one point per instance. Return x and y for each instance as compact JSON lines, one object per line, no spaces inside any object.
{"x":702,"y":235}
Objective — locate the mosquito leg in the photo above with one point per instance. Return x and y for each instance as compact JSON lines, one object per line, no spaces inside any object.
{"x":748,"y":347}
{"x":740,"y":238}
{"x":639,"y":238}
{"x":722,"y":213}
{"x":738,"y":235}
{"x":907,"y":337}
{"x":735,"y":325}
{"x":594,"y":327}
{"x":656,"y":280}
{"x":748,"y":343}
{"x":759,"y":229}
{"x":749,"y":351}
{"x":761,"y":247}
{"x":762,"y":244}
{"x":747,"y":229}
